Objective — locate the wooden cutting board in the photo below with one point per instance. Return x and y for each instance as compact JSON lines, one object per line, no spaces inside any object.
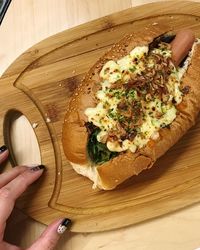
{"x":39,"y":85}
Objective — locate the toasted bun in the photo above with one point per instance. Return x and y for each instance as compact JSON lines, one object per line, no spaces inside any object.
{"x":75,"y":136}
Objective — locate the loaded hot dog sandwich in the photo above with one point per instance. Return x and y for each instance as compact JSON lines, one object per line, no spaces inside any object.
{"x":136,"y":102}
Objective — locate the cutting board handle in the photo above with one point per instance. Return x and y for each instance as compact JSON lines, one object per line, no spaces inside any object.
{"x":19,"y":102}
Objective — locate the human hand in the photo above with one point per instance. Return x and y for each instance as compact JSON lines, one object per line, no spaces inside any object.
{"x":12,"y":184}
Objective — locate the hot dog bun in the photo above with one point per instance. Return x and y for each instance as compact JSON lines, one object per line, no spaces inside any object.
{"x":75,"y":134}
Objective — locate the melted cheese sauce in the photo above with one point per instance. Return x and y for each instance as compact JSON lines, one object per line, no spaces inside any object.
{"x":156,"y":115}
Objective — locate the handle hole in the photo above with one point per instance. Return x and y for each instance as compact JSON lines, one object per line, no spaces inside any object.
{"x":21,"y":139}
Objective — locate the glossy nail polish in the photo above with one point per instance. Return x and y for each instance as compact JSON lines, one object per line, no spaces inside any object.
{"x":37,"y":168}
{"x":3,"y":149}
{"x":65,"y":224}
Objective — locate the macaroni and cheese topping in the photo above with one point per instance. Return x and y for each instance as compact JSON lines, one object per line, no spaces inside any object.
{"x":138,"y":96}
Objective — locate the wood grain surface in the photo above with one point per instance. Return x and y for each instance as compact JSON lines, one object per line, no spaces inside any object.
{"x":95,"y":240}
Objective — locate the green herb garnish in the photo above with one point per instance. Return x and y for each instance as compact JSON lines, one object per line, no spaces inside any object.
{"x":132,"y":69}
{"x":132,"y":94}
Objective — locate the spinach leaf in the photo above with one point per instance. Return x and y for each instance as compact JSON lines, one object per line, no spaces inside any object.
{"x":98,"y":152}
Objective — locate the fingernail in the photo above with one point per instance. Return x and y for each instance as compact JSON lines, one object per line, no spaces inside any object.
{"x":37,"y":168}
{"x":65,"y":224}
{"x":3,"y":149}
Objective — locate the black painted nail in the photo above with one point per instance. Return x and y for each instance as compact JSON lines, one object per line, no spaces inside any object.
{"x":37,"y":168}
{"x":65,"y":224}
{"x":3,"y":149}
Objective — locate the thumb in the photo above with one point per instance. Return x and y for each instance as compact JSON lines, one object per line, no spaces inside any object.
{"x":50,"y":237}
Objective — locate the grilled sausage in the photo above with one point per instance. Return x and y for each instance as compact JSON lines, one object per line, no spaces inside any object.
{"x":181,"y":45}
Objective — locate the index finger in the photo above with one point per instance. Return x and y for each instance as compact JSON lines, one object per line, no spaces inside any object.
{"x":3,"y":153}
{"x":10,"y":192}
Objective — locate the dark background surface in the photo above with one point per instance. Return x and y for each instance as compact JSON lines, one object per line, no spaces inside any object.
{"x":3,"y":8}
{"x":1,"y":1}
